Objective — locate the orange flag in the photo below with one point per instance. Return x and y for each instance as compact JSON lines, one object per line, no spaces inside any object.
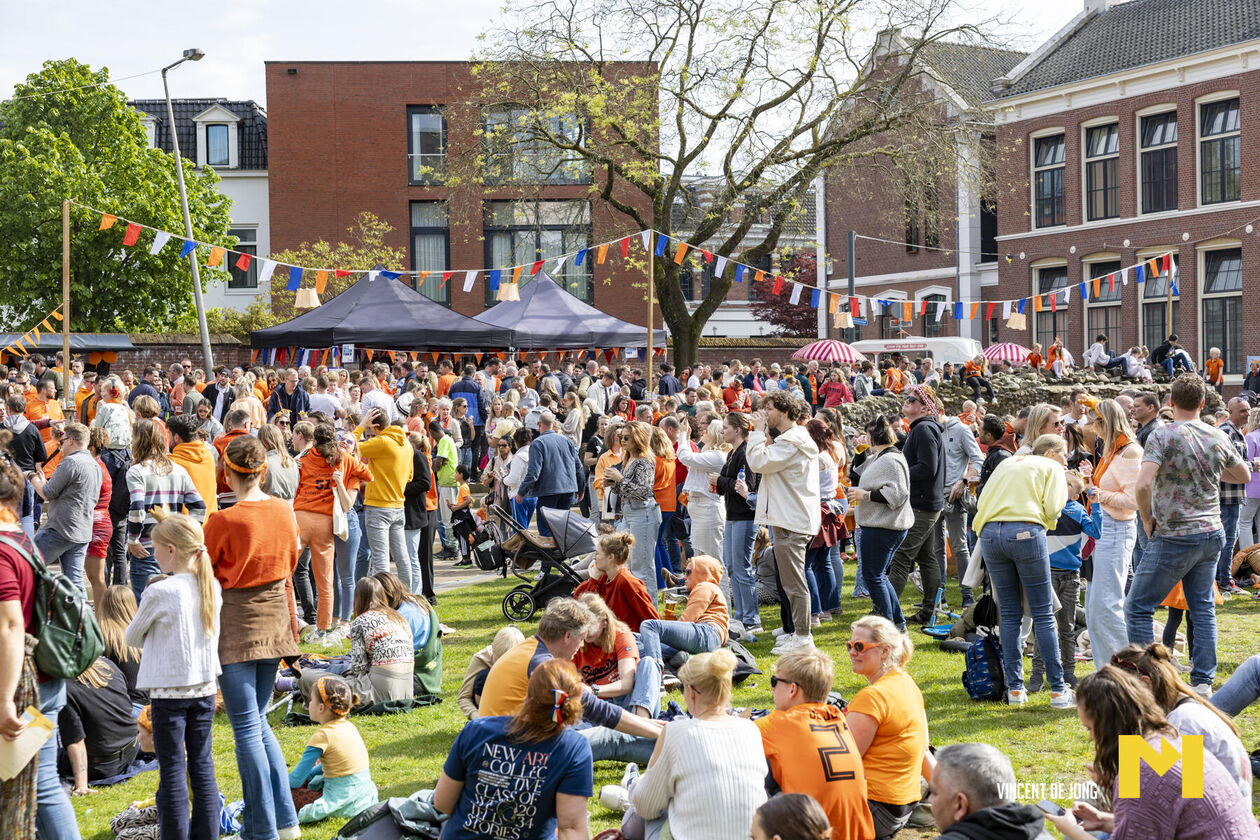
{"x":368,"y":351}
{"x":56,"y":313}
{"x":833,"y":304}
{"x":761,"y":275}
{"x":680,"y":253}
{"x":516,"y":273}
{"x":321,"y":282}
{"x":975,"y":310}
{"x":1097,"y":286}
{"x":600,"y":256}
{"x":907,"y":310}
{"x":107,"y":221}
{"x":216,"y":256}
{"x":47,"y":326}
{"x":1037,"y":303}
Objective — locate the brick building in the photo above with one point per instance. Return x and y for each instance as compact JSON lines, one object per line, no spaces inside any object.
{"x":919,"y":214}
{"x":1135,"y":130}
{"x":397,"y":139}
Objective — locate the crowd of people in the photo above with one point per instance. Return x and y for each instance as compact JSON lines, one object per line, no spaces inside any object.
{"x":216,"y":522}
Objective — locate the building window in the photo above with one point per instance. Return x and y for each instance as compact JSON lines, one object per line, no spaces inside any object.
{"x":1159,"y":162}
{"x":217,"y":145}
{"x":988,"y":230}
{"x":1104,"y":308}
{"x":1048,"y":169}
{"x":1102,"y":161}
{"x":1222,"y":306}
{"x":426,"y":145}
{"x":1219,"y":152}
{"x":521,"y":232}
{"x":1049,"y":325}
{"x":246,"y":243}
{"x":521,"y":148}
{"x":921,"y":215}
{"x":933,"y":328}
{"x":430,"y":247}
{"x":993,"y":330}
{"x":1155,"y":324}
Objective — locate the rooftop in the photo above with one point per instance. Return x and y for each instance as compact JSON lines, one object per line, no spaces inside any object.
{"x":252,"y":129}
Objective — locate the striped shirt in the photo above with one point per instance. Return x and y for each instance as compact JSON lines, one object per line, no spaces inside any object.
{"x":148,"y":489}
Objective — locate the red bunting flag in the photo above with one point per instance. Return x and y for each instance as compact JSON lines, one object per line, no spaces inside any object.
{"x":1054,"y":301}
{"x":988,"y":312}
{"x":853,"y":306}
{"x":533,"y":272}
{"x":708,"y":256}
{"x":133,"y":234}
{"x":923,"y":304}
{"x":778,"y":283}
{"x":446,"y":275}
{"x":243,"y":261}
{"x":1168,"y":263}
{"x":341,"y":272}
{"x":107,"y":221}
{"x":1111,"y":282}
{"x":625,"y":247}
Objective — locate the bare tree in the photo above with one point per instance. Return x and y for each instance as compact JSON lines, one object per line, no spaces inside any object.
{"x":763,"y":95}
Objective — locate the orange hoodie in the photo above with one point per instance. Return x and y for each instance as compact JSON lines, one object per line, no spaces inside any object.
{"x":198,"y":459}
{"x":705,"y":602}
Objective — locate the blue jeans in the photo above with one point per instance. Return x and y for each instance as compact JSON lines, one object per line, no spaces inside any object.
{"x":1016,"y":553}
{"x":821,"y":579}
{"x":347,"y":551}
{"x":876,"y":547}
{"x":1178,"y":357}
{"x":522,"y":512}
{"x":647,"y":688}
{"x":643,"y":524}
{"x":662,"y":639}
{"x":836,"y":558}
{"x":859,"y":583}
{"x":362,"y":554}
{"x":1191,"y":560}
{"x":141,"y":569}
{"x":54,"y":815}
{"x":1241,"y":689}
{"x":611,"y":745}
{"x":1139,"y":546}
{"x":247,"y":688}
{"x":661,"y":555}
{"x":28,"y":512}
{"x":411,"y":581}
{"x":1229,"y":522}
{"x":558,"y":501}
{"x":181,"y":737}
{"x":53,"y":546}
{"x":737,"y":549}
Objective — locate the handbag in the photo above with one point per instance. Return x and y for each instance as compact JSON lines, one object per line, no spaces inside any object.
{"x":340,"y":525}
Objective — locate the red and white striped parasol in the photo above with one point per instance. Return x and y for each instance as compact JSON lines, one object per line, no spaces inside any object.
{"x":828,"y":350}
{"x":1007,"y":351}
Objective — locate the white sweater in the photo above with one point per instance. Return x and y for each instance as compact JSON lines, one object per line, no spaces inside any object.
{"x":176,"y":649}
{"x":788,"y":495}
{"x":714,"y":771}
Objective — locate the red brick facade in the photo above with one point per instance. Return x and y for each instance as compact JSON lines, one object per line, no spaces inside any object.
{"x":338,"y":135}
{"x":1191,"y":231}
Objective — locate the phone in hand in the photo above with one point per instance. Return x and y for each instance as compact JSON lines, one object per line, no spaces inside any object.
{"x":1054,"y":809}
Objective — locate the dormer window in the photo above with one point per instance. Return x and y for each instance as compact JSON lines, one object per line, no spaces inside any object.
{"x":217,"y":145}
{"x":149,"y":125}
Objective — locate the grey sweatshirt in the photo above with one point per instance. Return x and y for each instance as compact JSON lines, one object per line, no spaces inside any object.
{"x":887,"y":476}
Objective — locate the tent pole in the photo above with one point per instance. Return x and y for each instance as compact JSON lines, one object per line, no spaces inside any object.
{"x":651,"y":293}
{"x":67,"y":398}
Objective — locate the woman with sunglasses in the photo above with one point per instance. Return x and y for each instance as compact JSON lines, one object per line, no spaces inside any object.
{"x":1113,"y":488}
{"x":888,"y":723}
{"x":1043,"y":419}
{"x":640,"y":513}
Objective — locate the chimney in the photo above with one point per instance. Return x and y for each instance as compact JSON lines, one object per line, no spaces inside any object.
{"x":1097,"y":6}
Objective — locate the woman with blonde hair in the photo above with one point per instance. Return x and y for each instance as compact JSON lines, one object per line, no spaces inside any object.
{"x":708,"y":513}
{"x":665,"y":489}
{"x":1043,"y":419}
{"x":574,"y":418}
{"x":1113,"y":486}
{"x":249,"y":403}
{"x":706,"y":777}
{"x":611,"y":456}
{"x":115,"y":608}
{"x":888,"y":722}
{"x":113,"y":414}
{"x":543,"y":744}
{"x":640,"y":513}
{"x":153,"y":481}
{"x":280,"y":481}
{"x":610,"y":665}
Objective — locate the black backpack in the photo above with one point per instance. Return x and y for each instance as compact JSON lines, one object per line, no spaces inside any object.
{"x":69,"y":638}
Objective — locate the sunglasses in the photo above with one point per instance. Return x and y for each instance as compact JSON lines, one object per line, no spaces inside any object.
{"x":774,"y":682}
{"x":861,"y":647}
{"x":912,"y":399}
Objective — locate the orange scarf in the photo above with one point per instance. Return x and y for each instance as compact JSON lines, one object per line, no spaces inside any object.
{"x":1105,"y":461}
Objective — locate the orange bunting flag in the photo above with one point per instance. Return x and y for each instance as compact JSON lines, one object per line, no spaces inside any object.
{"x":47,"y":326}
{"x":36,"y":331}
{"x":390,"y":353}
{"x":1098,"y":284}
{"x":601,"y":254}
{"x":323,"y":360}
{"x":478,"y":356}
{"x":1037,"y":304}
{"x":761,"y":275}
{"x":107,"y":221}
{"x":132,"y":236}
{"x":56,"y":313}
{"x":368,"y":351}
{"x":424,"y":275}
{"x":907,"y":310}
{"x":1152,"y":268}
{"x":833,"y":303}
{"x":321,"y":282}
{"x":975,"y":310}
{"x":216,"y":256}
{"x":516,"y":273}
{"x":680,"y":253}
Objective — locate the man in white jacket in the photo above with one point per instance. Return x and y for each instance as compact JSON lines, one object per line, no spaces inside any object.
{"x":788,"y":503}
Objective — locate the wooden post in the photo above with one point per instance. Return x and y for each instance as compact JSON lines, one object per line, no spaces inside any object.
{"x":67,"y":400}
{"x":651,"y":295}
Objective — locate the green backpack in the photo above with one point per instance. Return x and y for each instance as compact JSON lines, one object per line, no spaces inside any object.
{"x":69,"y":638}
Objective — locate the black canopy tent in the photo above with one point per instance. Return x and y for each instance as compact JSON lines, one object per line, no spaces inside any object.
{"x":379,"y":312}
{"x":549,"y":318}
{"x":79,"y":342}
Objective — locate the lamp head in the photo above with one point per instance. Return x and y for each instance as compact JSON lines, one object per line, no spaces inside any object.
{"x":194,"y":54}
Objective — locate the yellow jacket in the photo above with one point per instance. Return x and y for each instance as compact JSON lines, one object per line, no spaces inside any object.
{"x":389,"y":456}
{"x":1024,"y":488}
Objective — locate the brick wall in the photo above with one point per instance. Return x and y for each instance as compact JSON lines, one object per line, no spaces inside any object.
{"x":338,"y":133}
{"x":166,"y":349}
{"x":1130,"y":237}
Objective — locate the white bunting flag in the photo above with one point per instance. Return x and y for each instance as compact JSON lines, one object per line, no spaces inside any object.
{"x":264,"y":276}
{"x":1124,"y":276}
{"x":470,"y":277}
{"x":559,"y":266}
{"x":372,"y":275}
{"x":647,"y":239}
{"x":720,"y":267}
{"x":1006,"y":310}
{"x":940,"y":310}
{"x":861,"y":313}
{"x":796,"y":294}
{"x":1067,"y":294}
{"x":159,"y":241}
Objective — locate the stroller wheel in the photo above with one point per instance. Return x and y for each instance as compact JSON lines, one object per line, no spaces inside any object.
{"x":519,"y":605}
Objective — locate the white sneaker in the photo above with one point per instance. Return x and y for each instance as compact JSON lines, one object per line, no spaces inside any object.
{"x":1017,"y":698}
{"x":778,"y":632}
{"x":614,"y":798}
{"x":792,"y":642}
{"x":293,"y":832}
{"x":1065,"y":699}
{"x":1204,"y":690}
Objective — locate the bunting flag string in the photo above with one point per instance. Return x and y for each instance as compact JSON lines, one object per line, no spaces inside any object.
{"x":32,"y":335}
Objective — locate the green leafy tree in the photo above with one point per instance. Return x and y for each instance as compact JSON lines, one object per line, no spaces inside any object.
{"x":363,"y":248}
{"x":68,"y":133}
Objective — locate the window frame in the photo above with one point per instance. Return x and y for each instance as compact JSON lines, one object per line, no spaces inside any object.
{"x":1091,"y":267}
{"x":1173,"y":147}
{"x":245,"y":282}
{"x":1204,"y":256}
{"x":1109,"y":163}
{"x":1057,"y":265}
{"x":1035,"y":170}
{"x":227,"y":144}
{"x":490,"y":176}
{"x":1147,"y":302}
{"x":429,"y":230}
{"x":1201,"y":141}
{"x":439,"y":171}
{"x":489,"y":230}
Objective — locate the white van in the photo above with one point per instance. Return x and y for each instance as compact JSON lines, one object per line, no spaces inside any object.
{"x":951,"y":349}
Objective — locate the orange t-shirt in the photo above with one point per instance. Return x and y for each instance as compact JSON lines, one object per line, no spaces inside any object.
{"x":252,"y":543}
{"x":599,"y":667}
{"x":1035,"y":360}
{"x":37,"y":409}
{"x":894,"y":380}
{"x":810,"y":750}
{"x":971,"y":369}
{"x":1052,"y":355}
{"x":314,"y":490}
{"x":444,"y":384}
{"x":464,"y":495}
{"x":1214,"y":368}
{"x":663,"y":485}
{"x":893,"y":762}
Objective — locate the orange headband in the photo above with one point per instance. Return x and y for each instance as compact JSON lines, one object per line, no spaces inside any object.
{"x":234,"y":467}
{"x":319,"y":686}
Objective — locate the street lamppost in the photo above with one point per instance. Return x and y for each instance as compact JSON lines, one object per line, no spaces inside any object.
{"x":193,"y":54}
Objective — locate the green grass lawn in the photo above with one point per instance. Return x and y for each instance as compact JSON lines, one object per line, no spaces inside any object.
{"x":407,"y":751}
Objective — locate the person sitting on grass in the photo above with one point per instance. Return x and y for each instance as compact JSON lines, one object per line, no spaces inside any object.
{"x":526,"y":775}
{"x":611,"y":579}
{"x":808,"y":744}
{"x":610,"y":666}
{"x":702,"y":626}
{"x":1112,"y":702}
{"x":335,"y":760}
{"x":426,"y":637}
{"x":381,"y":655}
{"x":971,"y":797}
{"x":469,"y":697}
{"x":98,"y":732}
{"x":791,"y":816}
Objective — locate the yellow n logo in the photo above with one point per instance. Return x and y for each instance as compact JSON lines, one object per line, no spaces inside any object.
{"x":1134,"y":750}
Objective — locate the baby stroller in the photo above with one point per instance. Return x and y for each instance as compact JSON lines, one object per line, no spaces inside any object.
{"x":571,"y":536}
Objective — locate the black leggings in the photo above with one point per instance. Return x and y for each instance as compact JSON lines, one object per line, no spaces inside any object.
{"x":1170,"y":628}
{"x":974,"y":383}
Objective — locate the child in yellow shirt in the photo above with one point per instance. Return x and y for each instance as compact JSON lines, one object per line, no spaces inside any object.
{"x":335,"y":759}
